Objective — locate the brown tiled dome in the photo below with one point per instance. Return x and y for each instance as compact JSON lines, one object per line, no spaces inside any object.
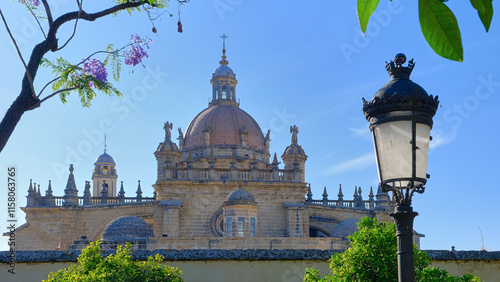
{"x":226,"y":122}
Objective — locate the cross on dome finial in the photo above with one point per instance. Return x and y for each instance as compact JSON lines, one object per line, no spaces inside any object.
{"x":223,"y":61}
{"x":105,"y":127}
{"x":224,"y":36}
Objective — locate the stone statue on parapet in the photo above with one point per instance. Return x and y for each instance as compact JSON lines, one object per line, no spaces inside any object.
{"x":168,"y":132}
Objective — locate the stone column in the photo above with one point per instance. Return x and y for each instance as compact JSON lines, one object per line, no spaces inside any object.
{"x":170,"y":219}
{"x":295,"y":219}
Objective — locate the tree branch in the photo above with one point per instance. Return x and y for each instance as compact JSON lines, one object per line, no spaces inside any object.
{"x":48,"y":11}
{"x":20,"y":55}
{"x":89,"y":17}
{"x":74,"y":28}
{"x":52,"y":95}
{"x":37,"y":21}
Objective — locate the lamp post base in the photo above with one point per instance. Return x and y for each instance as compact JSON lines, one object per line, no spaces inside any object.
{"x":403,"y":216}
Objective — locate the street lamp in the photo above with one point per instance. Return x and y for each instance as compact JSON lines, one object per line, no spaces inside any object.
{"x":400,"y":116}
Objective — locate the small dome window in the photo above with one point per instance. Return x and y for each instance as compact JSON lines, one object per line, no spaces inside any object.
{"x":224,"y":91}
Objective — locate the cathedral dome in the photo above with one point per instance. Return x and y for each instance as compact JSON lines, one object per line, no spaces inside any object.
{"x":168,"y":146}
{"x":105,"y":158}
{"x":127,"y":228}
{"x":345,"y":229}
{"x":226,"y":124}
{"x":224,"y":70}
{"x":294,"y":149}
{"x":240,"y":196}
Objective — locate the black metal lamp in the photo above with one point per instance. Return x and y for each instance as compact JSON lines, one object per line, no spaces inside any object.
{"x":400,"y":116}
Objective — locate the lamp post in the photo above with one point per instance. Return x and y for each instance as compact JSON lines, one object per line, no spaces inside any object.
{"x":400,"y":116}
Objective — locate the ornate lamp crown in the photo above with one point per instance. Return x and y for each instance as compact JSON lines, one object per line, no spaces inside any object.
{"x":395,"y":68}
{"x":400,"y":94}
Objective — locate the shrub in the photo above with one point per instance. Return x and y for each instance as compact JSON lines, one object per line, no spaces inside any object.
{"x":373,"y":257}
{"x":115,"y":267}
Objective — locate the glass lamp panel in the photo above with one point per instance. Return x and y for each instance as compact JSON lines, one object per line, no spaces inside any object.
{"x":394,"y":150}
{"x":423,"y":137}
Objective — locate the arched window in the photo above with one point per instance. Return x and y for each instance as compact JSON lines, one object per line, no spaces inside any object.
{"x":231,"y":93}
{"x":241,"y":227}
{"x":224,"y":91}
{"x":229,"y":227}
{"x":216,"y":92}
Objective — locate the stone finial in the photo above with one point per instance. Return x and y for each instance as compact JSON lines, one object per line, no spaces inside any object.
{"x":325,"y":196}
{"x":275,"y":160}
{"x":371,"y":198}
{"x":382,"y":199}
{"x":139,"y":192}
{"x":31,"y":186}
{"x":70,"y":193}
{"x":340,"y":195}
{"x":122,"y":191}
{"x":48,"y":199}
{"x":30,"y":201}
{"x":309,"y":194}
{"x":48,"y":192}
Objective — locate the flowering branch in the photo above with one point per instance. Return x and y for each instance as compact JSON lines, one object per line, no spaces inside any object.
{"x":90,"y":74}
{"x":84,"y":79}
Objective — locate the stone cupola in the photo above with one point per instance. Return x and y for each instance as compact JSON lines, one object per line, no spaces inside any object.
{"x":294,"y":157}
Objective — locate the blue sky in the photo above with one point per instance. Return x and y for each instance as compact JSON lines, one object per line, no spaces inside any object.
{"x":303,"y":64}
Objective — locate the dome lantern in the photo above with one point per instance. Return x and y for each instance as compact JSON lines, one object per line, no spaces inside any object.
{"x":224,"y":81}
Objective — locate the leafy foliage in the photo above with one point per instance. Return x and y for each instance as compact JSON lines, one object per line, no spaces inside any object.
{"x":485,"y":11}
{"x":438,"y":23}
{"x":440,"y":29}
{"x":373,"y":257}
{"x":365,"y":9}
{"x":116,"y":267}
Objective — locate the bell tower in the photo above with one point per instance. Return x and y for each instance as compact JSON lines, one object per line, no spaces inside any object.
{"x":104,"y":171}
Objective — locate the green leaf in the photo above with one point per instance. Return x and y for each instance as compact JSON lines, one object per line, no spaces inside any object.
{"x":440,"y":29}
{"x":485,"y":11}
{"x":365,"y":9}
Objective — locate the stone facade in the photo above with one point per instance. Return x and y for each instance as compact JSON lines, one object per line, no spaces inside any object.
{"x":216,"y":189}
